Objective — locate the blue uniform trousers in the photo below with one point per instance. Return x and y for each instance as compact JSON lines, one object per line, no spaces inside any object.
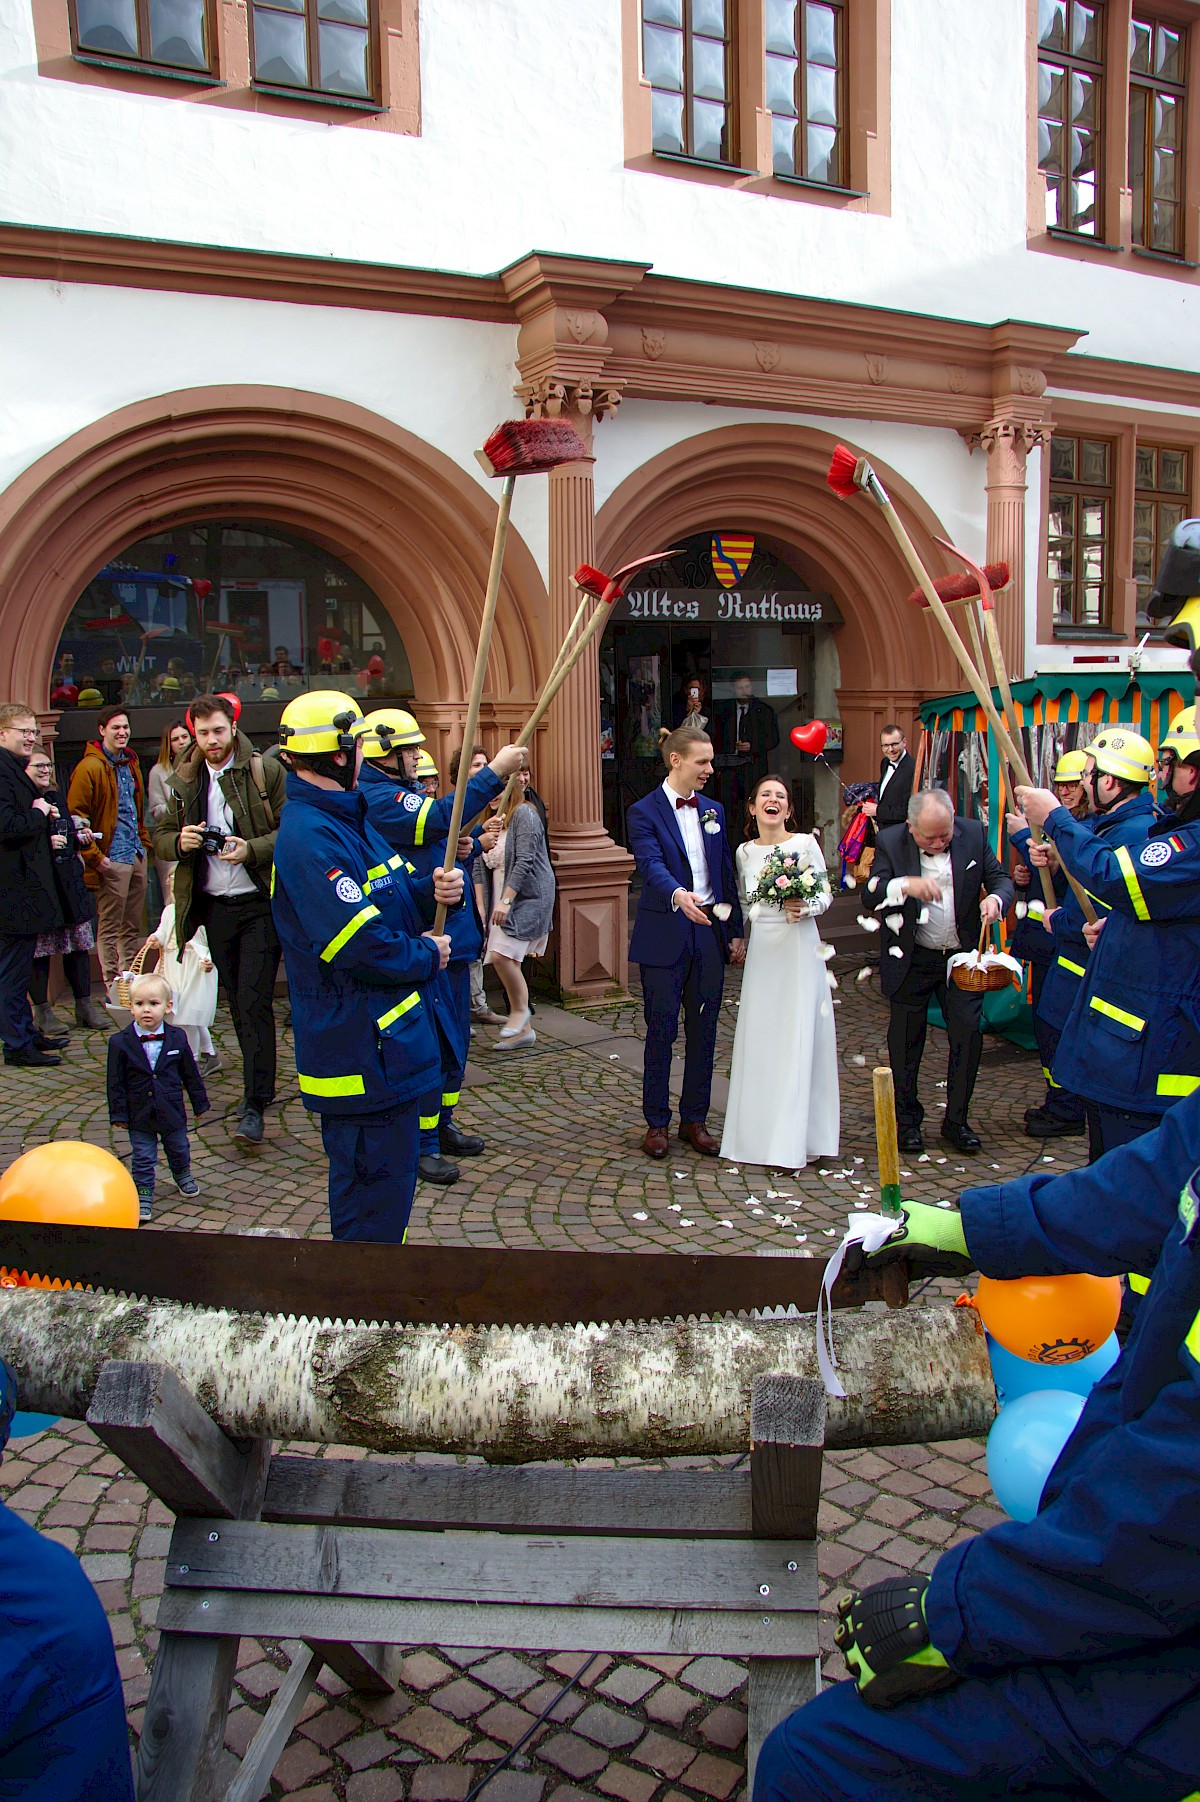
{"x":1060,"y":1103}
{"x":694,"y":981}
{"x":1109,"y":1127}
{"x":372,"y":1172}
{"x":1048,"y":1734}
{"x":16,"y":970}
{"x":62,"y":1712}
{"x":435,"y":1108}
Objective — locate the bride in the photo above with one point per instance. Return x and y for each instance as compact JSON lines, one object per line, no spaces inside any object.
{"x":783,"y":1104}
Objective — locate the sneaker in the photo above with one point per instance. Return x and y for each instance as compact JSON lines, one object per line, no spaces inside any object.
{"x":145,"y":1205}
{"x":208,"y":1063}
{"x":186,"y":1184}
{"x":31,"y":1058}
{"x":249,"y":1129}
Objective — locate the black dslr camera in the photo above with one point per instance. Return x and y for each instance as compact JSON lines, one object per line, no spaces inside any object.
{"x":212,"y":840}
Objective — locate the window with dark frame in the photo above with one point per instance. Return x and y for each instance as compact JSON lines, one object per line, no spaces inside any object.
{"x":1162,"y":487}
{"x":1079,"y":531}
{"x":1070,"y":94}
{"x":174,"y":34}
{"x":687,"y":60}
{"x":1156,"y":118}
{"x":806,"y":88}
{"x":317,"y":46}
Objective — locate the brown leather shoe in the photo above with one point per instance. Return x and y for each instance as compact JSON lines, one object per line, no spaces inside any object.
{"x":699,"y":1138}
{"x":655,"y":1142}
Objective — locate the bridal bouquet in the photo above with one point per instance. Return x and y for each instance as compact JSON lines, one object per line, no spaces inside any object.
{"x":785,"y":877}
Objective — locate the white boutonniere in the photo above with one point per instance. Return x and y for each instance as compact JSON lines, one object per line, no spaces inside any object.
{"x":709,"y":820}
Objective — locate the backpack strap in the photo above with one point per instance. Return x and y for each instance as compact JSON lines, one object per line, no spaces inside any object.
{"x":256,"y":776}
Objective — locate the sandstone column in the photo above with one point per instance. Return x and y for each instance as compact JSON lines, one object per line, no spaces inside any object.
{"x":1007,"y":443}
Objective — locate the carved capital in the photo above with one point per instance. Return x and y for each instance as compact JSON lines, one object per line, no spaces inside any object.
{"x":550,"y":397}
{"x":1007,"y":443}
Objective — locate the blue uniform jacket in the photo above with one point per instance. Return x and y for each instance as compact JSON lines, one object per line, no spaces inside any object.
{"x":417,"y":824}
{"x":151,"y":1101}
{"x":1030,"y":939}
{"x":661,"y":934}
{"x":350,"y":918}
{"x":1111,"y":1563}
{"x":1132,"y":1039}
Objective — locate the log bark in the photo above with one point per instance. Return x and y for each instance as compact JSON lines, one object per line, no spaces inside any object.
{"x":510,"y":1395}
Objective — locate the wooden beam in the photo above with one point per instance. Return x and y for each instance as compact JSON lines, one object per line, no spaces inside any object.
{"x":159,"y":1431}
{"x":372,"y":1669}
{"x":589,"y":1571}
{"x":662,"y":1631}
{"x":364,"y":1493}
{"x":787,"y":1433}
{"x":183,"y":1730}
{"x":262,"y":1754}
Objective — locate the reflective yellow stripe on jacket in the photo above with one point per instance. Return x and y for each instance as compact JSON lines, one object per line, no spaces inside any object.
{"x":1132,"y":883}
{"x":1177,"y":1085}
{"x":401,"y":1008}
{"x":1139,"y":1284}
{"x":331,"y":1085}
{"x":1193,"y":1339}
{"x":1117,"y":1013}
{"x":1075,"y":969}
{"x":370,"y":912}
{"x":419,"y":827}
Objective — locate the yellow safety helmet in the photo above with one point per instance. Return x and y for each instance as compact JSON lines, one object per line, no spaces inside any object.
{"x":425,"y":766}
{"x":320,"y":722}
{"x":387,"y":728}
{"x":1070,"y":767}
{"x":1127,"y":755}
{"x":1182,"y":737}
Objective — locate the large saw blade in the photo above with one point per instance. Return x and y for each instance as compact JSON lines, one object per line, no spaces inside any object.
{"x":425,"y":1284}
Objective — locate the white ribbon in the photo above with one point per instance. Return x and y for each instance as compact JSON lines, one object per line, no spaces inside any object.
{"x":870,"y":1231}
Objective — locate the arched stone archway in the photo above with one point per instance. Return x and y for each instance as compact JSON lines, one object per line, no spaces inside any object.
{"x":771,"y":478}
{"x":416,"y":527}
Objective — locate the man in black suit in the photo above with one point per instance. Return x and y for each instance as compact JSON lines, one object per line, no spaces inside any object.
{"x":745,"y":733}
{"x":927,"y":881}
{"x":896,"y":772}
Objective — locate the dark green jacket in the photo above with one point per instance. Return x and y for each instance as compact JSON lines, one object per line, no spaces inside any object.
{"x":255,"y":818}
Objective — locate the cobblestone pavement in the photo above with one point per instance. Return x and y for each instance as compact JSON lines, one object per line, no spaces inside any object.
{"x":563,"y":1170}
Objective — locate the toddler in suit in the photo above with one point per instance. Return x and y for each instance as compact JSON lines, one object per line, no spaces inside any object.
{"x":150,"y":1063}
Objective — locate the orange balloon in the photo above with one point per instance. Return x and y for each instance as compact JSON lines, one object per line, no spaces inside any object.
{"x":71,"y":1184}
{"x":1050,"y":1319}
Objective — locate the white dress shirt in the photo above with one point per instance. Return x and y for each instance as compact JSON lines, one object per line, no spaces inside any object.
{"x":940,"y":931}
{"x":888,"y":774}
{"x":152,"y":1044}
{"x":688,"y":821}
{"x":220,"y":877}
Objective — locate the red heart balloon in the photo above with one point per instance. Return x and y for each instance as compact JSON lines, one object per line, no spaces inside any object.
{"x":201,"y":589}
{"x":810,"y":738}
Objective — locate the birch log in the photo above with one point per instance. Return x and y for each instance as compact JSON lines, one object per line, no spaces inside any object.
{"x":510,"y":1395}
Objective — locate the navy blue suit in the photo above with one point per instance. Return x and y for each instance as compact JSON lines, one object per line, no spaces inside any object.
{"x":682,"y":964}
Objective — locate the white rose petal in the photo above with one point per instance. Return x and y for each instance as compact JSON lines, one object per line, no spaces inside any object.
{"x":641,"y":1216}
{"x":722,"y":910}
{"x":872,"y":885}
{"x":800,"y":1238}
{"x":728,"y":1223}
{"x":863,"y":974}
{"x":831,"y":979}
{"x":757,"y":1210}
{"x":732,"y":1169}
{"x":924,"y":1158}
{"x":1020,"y":910}
{"x":893,"y":922}
{"x":860,"y":1204}
{"x":687,"y":1223}
{"x":943,"y":1204}
{"x":895,"y":951}
{"x":828,"y":952}
{"x":858,"y":1058}
{"x":823,"y":1010}
{"x":681,"y":1173}
{"x":829,"y":1231}
{"x":867,"y":922}
{"x":850,"y":882}
{"x":674,"y":1207}
{"x":923,"y":917}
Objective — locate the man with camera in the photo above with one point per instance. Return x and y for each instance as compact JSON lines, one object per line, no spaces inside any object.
{"x":220,"y":827}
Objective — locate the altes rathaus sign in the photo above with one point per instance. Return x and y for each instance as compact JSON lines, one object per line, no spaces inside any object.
{"x":729,"y":606}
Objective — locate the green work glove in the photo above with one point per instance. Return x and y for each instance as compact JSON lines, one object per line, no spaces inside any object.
{"x":930,"y":1242}
{"x":883,"y":1638}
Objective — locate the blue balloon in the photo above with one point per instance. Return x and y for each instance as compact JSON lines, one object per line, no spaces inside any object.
{"x":1015,"y":1376}
{"x":23,"y":1425}
{"x":1024,"y":1444}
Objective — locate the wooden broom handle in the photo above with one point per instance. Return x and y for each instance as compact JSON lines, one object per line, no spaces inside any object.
{"x":471,"y":722}
{"x":563,"y":665}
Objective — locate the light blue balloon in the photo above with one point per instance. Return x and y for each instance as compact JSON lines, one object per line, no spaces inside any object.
{"x":1015,"y":1376}
{"x":1024,"y":1444}
{"x":23,"y":1425}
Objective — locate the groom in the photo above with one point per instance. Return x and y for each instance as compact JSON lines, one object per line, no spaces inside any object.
{"x":682,"y":944}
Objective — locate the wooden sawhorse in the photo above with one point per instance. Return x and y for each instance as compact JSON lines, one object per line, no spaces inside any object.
{"x":357,"y":1561}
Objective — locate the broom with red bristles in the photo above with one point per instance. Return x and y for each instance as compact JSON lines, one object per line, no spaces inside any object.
{"x":519,"y":447}
{"x":593,"y":585}
{"x":850,"y":475}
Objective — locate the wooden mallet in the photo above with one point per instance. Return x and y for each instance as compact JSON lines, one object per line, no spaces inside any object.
{"x":519,"y":447}
{"x":895,"y":1277}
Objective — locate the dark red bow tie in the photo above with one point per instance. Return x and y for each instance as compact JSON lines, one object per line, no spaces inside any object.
{"x":690,"y":802}
{"x":148,"y":1038}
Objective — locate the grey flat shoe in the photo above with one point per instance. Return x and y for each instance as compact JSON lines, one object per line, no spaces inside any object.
{"x":517,"y":1041}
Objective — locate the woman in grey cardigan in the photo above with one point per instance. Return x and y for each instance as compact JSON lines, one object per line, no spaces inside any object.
{"x":522,"y":913}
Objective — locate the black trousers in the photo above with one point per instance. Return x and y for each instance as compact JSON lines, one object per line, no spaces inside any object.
{"x":16,"y":967}
{"x":243,"y":945}
{"x":76,"y":969}
{"x":907,"y":1026}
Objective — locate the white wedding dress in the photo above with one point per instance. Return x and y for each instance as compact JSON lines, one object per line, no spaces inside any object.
{"x":783,"y":1085}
